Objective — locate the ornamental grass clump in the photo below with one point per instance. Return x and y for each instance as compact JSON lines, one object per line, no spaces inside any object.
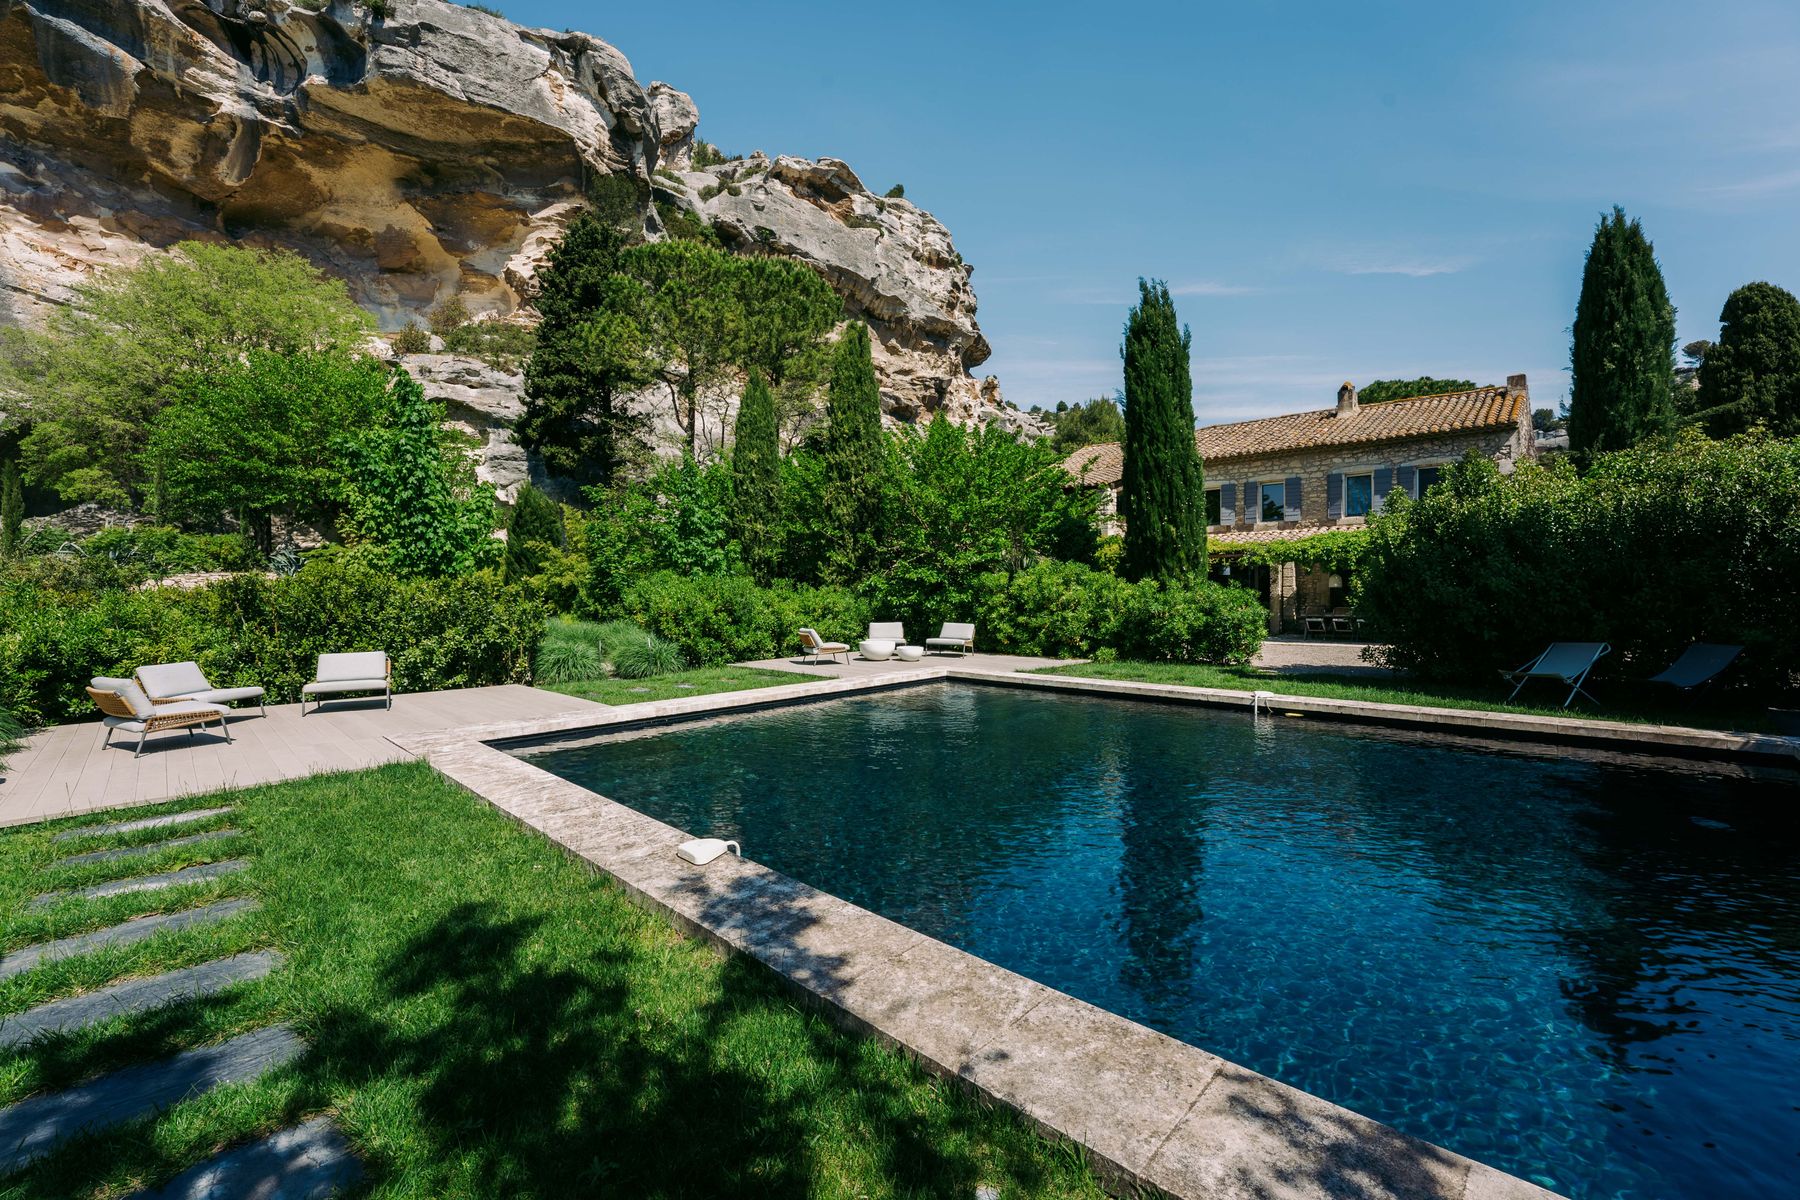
{"x":567,"y":662}
{"x":647,"y":657}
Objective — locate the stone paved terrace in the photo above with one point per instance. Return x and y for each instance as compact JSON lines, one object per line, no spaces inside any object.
{"x":65,"y":769}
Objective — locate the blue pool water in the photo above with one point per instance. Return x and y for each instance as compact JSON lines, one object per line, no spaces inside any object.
{"x":1585,"y":973}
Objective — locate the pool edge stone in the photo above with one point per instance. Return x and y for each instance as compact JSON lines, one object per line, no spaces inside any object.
{"x":623,"y":844}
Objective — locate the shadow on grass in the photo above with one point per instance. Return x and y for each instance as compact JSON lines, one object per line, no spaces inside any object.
{"x":551,"y":1080}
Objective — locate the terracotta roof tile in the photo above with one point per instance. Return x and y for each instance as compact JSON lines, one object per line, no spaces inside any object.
{"x":1394,"y":420}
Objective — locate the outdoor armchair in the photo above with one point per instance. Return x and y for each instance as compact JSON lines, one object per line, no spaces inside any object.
{"x":813,"y":646}
{"x":168,"y":683}
{"x":1567,"y":662}
{"x":955,"y":635}
{"x":1699,"y":664}
{"x":338,"y":674}
{"x":126,"y":708}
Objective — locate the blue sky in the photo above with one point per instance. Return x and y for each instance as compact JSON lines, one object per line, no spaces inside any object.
{"x":1332,"y":191}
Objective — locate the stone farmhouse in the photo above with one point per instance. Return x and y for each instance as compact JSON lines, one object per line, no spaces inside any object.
{"x":1286,"y":478}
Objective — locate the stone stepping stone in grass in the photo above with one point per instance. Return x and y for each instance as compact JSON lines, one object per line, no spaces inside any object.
{"x":124,"y":934}
{"x":143,"y":883}
{"x":33,"y":1128}
{"x":194,"y":839}
{"x":180,"y":818}
{"x":308,"y":1162}
{"x":136,"y":995}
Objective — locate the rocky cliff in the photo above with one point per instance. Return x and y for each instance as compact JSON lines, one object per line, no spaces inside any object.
{"x":430,"y":152}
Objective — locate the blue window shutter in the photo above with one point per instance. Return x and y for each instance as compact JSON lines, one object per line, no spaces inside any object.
{"x":1334,"y":495}
{"x":1292,"y":499}
{"x":1384,"y":483}
{"x":1228,"y":504}
{"x":1405,"y":478}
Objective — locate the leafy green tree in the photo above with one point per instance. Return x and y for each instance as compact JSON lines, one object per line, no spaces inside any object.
{"x":1163,"y":500}
{"x":1623,"y":355}
{"x":589,"y":354}
{"x":106,"y":364}
{"x":12,"y":508}
{"x":1383,"y":390}
{"x":262,"y":438}
{"x":693,"y":322}
{"x":1751,"y":375}
{"x":787,"y":311}
{"x":414,"y":491}
{"x":756,"y":479}
{"x":1090,"y":423}
{"x":536,"y":522}
{"x":855,"y":458}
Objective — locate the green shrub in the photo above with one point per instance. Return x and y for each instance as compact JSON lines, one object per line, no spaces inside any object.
{"x":449,"y":315}
{"x":1190,"y":621}
{"x":466,"y":631}
{"x":719,"y":619}
{"x":1652,"y":548}
{"x":12,"y":735}
{"x":412,"y":340}
{"x":567,"y":661}
{"x":646,"y":657}
{"x":1053,"y":609}
{"x":502,"y":344}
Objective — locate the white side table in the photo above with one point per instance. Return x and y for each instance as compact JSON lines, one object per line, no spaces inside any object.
{"x":876,"y":649}
{"x":909,"y":653}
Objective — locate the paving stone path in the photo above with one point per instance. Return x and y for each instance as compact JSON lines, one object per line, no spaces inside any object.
{"x":33,"y":1128}
{"x":136,"y":995}
{"x":180,"y":818}
{"x":193,"y":839}
{"x":143,"y":883}
{"x":134,"y":930}
{"x":307,"y":1162}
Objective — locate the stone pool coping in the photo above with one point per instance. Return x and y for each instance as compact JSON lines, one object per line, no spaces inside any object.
{"x":1151,"y":1111}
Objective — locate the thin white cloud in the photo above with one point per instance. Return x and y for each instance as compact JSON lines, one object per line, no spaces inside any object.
{"x":1772,"y":184}
{"x":1210,"y":287}
{"x":1118,"y":297}
{"x":1412,"y":266}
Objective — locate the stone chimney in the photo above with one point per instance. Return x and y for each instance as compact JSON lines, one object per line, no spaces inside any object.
{"x":1347,"y":399}
{"x":1516,"y":385}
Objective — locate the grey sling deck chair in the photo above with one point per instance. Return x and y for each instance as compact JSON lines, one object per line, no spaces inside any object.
{"x":1567,"y":662}
{"x":1699,"y":664}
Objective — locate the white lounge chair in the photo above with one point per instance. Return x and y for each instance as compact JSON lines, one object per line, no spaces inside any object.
{"x":168,"y":683}
{"x":1568,"y":662}
{"x":813,"y":646}
{"x":339,"y":674}
{"x":884,"y":637}
{"x":955,"y":635}
{"x":127,"y":709}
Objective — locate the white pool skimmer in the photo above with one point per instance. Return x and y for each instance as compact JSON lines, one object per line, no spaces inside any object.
{"x":701,"y":851}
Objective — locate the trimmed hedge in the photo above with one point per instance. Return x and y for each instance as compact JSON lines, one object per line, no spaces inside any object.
{"x":1650,"y":549}
{"x":466,"y":631}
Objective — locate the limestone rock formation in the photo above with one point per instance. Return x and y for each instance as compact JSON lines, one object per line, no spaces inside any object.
{"x":430,"y":152}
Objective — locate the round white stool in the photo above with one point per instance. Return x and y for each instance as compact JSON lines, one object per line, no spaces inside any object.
{"x":909,"y":653}
{"x":876,"y":649}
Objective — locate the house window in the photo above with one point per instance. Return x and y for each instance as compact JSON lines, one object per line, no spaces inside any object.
{"x":1359,"y":495}
{"x":1212,"y":506}
{"x":1428,"y":478}
{"x":1274,"y":502}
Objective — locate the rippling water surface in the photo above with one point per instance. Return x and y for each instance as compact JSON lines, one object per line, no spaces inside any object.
{"x":1581,"y":972}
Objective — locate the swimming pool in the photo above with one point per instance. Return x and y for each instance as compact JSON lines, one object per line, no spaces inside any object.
{"x":1583,"y":972}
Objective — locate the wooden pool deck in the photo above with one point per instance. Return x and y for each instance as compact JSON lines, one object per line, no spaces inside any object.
{"x":66,"y":769}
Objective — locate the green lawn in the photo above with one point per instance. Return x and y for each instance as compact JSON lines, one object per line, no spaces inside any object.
{"x":1705,"y":712}
{"x":486,"y":1018}
{"x":698,"y":682}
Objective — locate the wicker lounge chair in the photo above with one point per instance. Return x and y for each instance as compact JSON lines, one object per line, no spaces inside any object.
{"x":127,"y":709}
{"x":1699,"y":665}
{"x":1567,"y":662}
{"x":341,"y":674}
{"x":955,"y":635}
{"x":168,"y":683}
{"x":813,"y":646}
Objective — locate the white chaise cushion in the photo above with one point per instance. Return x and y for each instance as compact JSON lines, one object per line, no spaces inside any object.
{"x":887,"y":631}
{"x":172,"y":680}
{"x":359,"y":667}
{"x":331,"y":687}
{"x":128,"y":690}
{"x":226,"y":695}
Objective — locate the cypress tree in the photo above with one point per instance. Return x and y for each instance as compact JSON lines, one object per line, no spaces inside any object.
{"x":1623,"y":356}
{"x":1163,"y":496}
{"x":12,"y":508}
{"x":855,"y":454}
{"x":755,"y":478}
{"x":588,"y":354}
{"x":535,"y":522}
{"x":1751,"y":375}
